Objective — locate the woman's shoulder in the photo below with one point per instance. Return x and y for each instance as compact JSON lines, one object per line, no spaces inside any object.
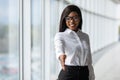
{"x":59,"y":35}
{"x":84,"y":34}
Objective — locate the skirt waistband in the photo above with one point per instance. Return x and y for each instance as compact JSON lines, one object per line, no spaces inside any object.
{"x":76,"y":67}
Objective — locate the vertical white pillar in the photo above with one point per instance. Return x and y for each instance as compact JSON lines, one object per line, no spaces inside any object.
{"x":27,"y":39}
{"x":47,"y":39}
{"x":21,"y":39}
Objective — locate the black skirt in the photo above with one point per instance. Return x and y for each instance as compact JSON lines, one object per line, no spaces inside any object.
{"x":74,"y":73}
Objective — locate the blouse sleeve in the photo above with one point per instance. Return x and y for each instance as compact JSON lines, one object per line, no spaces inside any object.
{"x":90,"y":66}
{"x":91,"y":71}
{"x":59,"y":45}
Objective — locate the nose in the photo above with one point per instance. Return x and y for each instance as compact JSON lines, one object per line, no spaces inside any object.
{"x":72,"y":20}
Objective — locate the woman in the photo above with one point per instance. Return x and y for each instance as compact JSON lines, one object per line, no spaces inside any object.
{"x":72,"y":47}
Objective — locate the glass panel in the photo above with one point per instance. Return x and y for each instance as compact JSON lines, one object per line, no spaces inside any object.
{"x":54,"y":7}
{"x":9,"y":40}
{"x":36,"y":42}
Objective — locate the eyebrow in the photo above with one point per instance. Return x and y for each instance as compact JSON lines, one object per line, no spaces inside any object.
{"x":73,"y":16}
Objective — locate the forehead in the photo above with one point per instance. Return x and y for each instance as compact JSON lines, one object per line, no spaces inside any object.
{"x":73,"y":13}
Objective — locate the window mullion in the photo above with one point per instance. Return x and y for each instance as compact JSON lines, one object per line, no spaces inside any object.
{"x":27,"y":39}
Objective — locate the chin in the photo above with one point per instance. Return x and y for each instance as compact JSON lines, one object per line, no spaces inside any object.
{"x":74,"y":29}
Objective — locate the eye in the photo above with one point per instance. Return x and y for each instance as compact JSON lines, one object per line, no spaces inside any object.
{"x":68,"y":18}
{"x":75,"y":18}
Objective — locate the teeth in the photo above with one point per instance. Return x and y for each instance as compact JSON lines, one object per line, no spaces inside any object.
{"x":72,"y":25}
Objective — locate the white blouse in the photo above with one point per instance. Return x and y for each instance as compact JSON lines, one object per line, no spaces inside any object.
{"x":76,"y":47}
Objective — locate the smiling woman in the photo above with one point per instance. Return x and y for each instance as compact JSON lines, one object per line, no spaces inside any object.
{"x":72,"y":47}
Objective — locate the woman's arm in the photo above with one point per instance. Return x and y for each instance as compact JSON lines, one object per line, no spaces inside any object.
{"x":59,"y":48}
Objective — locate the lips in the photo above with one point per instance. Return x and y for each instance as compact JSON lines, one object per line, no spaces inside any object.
{"x":72,"y":25}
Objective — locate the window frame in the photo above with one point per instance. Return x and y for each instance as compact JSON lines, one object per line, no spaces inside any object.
{"x":26,"y":39}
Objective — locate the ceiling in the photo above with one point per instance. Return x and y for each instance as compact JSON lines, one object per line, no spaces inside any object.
{"x":116,"y":1}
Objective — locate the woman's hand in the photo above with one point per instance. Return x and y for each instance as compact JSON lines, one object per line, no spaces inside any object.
{"x":62,"y":60}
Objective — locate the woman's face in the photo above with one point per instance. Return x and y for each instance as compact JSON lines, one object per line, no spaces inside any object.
{"x":72,"y":21}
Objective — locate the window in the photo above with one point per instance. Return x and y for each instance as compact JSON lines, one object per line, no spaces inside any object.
{"x":36,"y":42}
{"x":53,"y":29}
{"x":9,"y":40}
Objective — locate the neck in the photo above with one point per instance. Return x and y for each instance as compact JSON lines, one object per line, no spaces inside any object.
{"x":75,"y":30}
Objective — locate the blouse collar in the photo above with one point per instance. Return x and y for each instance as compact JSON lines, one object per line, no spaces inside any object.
{"x":71,"y":31}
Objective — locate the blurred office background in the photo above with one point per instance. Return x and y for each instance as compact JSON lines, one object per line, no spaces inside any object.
{"x":28,"y":27}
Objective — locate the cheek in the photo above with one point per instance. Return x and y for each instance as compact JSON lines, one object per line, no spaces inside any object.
{"x":67,"y":24}
{"x":78,"y":23}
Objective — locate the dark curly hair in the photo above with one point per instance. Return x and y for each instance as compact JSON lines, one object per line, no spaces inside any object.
{"x":65,"y":13}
